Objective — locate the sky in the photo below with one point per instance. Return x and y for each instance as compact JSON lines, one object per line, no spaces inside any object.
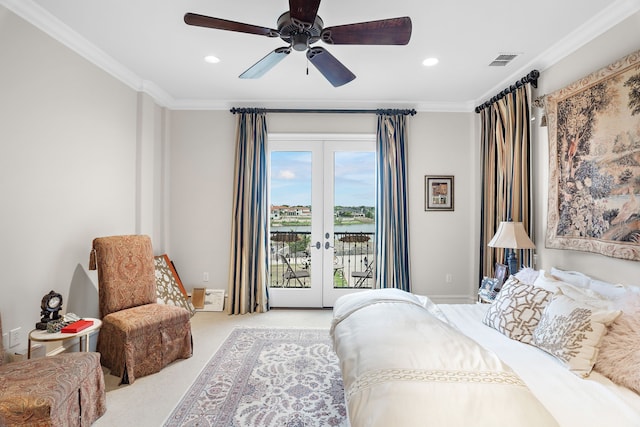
{"x":354,"y":178}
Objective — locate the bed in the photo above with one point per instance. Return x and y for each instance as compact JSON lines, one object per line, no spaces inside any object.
{"x":406,"y":361}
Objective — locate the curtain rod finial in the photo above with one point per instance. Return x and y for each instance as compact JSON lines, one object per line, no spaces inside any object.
{"x":531,"y":78}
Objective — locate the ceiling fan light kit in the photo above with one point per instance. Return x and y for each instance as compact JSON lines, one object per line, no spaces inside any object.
{"x":301,"y":27}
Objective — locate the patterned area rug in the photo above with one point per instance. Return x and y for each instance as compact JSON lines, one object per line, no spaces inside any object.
{"x":267,"y":377}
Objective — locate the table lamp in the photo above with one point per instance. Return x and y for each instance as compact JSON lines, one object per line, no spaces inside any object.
{"x":511,"y":235}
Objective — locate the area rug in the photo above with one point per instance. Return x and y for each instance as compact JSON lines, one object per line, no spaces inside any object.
{"x":267,"y":377}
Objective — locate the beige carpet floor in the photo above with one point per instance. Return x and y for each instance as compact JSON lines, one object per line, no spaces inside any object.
{"x":150,"y":400}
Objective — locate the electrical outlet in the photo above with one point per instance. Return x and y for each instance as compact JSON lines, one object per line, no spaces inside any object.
{"x":448,"y":278}
{"x":14,"y":337}
{"x":205,"y":276}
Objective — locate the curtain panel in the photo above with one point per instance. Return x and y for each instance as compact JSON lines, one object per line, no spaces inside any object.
{"x":248,"y":272}
{"x":506,"y":173}
{"x":392,"y":217}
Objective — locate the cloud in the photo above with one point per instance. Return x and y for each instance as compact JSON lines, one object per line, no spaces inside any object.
{"x":286,"y":174}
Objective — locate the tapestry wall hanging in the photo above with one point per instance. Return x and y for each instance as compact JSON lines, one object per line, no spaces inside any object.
{"x":594,"y":162}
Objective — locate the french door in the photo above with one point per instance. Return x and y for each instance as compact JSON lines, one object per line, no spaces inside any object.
{"x":322,"y":210}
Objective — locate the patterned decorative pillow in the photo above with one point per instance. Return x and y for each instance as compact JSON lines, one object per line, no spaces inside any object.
{"x":517,"y":309}
{"x":572,"y":331}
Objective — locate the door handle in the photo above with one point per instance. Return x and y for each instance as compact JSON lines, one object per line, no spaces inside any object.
{"x":327,"y":245}
{"x":318,"y":245}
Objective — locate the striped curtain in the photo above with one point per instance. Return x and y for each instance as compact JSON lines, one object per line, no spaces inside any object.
{"x":392,"y":217}
{"x":506,"y":183}
{"x":248,"y":271}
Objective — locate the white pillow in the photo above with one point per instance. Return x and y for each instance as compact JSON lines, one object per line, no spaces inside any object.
{"x":606,"y":289}
{"x":547,"y":281}
{"x":574,"y":278}
{"x":552,"y":284}
{"x":527,"y":275}
{"x":609,"y":290}
{"x":572,"y":330}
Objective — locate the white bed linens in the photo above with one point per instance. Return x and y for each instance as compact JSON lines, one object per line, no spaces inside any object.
{"x":403,"y":366}
{"x":594,"y":401}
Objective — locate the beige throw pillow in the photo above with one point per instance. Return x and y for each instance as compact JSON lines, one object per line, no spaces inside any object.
{"x":619,"y":357}
{"x":571,"y":331}
{"x":517,"y":309}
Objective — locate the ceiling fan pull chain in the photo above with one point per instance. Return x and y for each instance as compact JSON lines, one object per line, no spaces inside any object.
{"x":307,"y":66}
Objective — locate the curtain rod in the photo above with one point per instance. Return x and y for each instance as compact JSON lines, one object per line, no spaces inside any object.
{"x":235,"y":110}
{"x":532,"y":78}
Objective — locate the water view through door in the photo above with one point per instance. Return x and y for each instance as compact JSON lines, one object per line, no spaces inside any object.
{"x":322,"y":210}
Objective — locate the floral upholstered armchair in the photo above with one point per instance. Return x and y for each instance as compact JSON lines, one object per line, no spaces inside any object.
{"x":138,"y":336}
{"x":63,"y":390}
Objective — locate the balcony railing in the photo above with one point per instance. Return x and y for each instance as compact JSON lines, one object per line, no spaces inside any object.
{"x":290,"y":260}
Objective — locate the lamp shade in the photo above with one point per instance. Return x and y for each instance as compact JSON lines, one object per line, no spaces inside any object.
{"x":511,"y":235}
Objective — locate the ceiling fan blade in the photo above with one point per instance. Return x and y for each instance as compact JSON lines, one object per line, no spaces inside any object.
{"x":329,"y":66}
{"x":394,"y":31}
{"x":223,"y":24}
{"x":304,"y":10}
{"x":260,"y":68}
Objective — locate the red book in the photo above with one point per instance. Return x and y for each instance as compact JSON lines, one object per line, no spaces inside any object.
{"x":77,"y":326}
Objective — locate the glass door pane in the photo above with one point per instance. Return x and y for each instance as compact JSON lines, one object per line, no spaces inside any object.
{"x":354,"y":217}
{"x":349,"y":218}
{"x":290,"y":220}
{"x":295,"y":272}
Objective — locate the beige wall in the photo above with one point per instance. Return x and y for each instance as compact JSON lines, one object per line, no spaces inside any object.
{"x":201,"y":182}
{"x":444,"y":242}
{"x":611,"y":46}
{"x":202,"y":155}
{"x":71,"y":168}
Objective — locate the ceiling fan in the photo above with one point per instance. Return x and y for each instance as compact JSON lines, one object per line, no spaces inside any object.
{"x":301,"y":27}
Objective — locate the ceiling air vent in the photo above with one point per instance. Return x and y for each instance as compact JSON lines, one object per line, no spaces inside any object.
{"x":503,"y":59}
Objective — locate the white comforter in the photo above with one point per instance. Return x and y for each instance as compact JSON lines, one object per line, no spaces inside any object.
{"x":402,"y":365}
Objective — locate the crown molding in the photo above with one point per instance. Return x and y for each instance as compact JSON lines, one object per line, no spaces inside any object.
{"x":58,"y":30}
{"x":605,"y":20}
{"x":49,"y":24}
{"x":40,"y":18}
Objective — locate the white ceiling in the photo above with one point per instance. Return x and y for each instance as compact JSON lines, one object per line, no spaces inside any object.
{"x":146,"y":44}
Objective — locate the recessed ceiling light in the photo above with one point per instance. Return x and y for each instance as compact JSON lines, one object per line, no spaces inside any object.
{"x":429,"y":62}
{"x":211,"y":59}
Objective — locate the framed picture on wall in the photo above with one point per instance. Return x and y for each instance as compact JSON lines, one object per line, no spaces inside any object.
{"x":438,"y":192}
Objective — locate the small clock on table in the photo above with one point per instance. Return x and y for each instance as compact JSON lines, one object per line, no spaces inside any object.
{"x":50,"y":309}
